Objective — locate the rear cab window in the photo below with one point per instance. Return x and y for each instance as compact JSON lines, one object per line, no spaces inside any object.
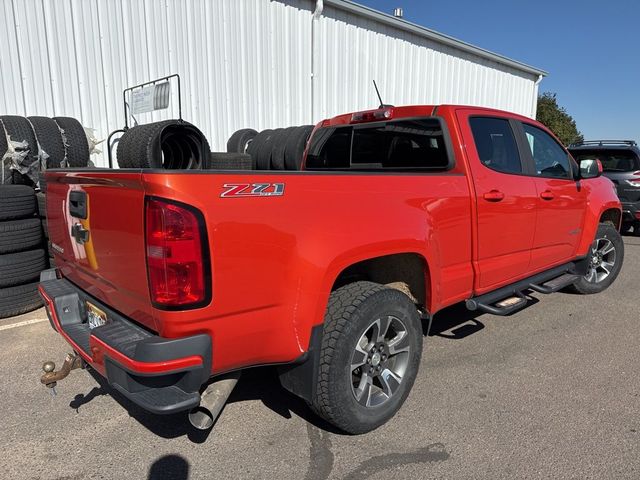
{"x":396,"y":145}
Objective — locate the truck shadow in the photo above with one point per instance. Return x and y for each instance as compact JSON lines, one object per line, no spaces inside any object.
{"x":165,"y":426}
{"x":263,"y":384}
{"x":457,"y":322}
{"x":454,"y":322}
{"x":260,"y":383}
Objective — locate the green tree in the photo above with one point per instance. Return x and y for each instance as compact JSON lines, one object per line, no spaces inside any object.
{"x":556,"y":119}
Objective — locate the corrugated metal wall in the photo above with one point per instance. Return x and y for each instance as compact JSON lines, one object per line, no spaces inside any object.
{"x":243,"y":63}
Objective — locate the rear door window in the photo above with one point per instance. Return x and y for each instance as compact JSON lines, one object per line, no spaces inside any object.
{"x":400,"y":145}
{"x":496,"y":144}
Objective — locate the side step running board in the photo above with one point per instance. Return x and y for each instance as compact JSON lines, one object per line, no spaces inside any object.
{"x":556,"y":284}
{"x":509,"y":299}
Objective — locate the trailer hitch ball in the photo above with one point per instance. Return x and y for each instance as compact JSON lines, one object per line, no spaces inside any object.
{"x":50,"y":378}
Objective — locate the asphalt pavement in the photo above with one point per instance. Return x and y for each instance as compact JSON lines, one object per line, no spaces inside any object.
{"x":550,"y":392}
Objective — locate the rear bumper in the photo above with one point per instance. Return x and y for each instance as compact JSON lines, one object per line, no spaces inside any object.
{"x":159,"y":374}
{"x":630,"y":212}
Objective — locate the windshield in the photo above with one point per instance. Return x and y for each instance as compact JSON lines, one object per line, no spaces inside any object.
{"x":612,"y":160}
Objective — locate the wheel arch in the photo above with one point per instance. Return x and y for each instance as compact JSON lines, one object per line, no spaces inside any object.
{"x":608,"y":211}
{"x":408,"y":268}
{"x":613,"y":215}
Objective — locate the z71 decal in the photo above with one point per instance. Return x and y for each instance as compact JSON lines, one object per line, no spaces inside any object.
{"x":253,"y":190}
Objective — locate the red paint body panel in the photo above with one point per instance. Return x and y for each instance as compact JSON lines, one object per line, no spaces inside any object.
{"x":559,"y":220}
{"x":274,"y":259}
{"x":505,"y":229}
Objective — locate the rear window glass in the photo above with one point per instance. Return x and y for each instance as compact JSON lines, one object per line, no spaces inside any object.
{"x":402,"y":145}
{"x":612,"y":160}
{"x":496,"y":144}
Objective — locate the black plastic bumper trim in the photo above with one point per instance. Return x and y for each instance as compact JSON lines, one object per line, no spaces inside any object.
{"x":164,"y":392}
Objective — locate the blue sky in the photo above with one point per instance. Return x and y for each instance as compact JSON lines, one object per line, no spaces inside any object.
{"x":591,"y":50}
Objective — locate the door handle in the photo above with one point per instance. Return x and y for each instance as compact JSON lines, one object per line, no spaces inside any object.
{"x":493,"y":196}
{"x":547,"y":195}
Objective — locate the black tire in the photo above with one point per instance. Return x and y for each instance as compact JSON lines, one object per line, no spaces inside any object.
{"x":45,"y":228}
{"x":239,"y":141}
{"x":277,"y":150}
{"x":20,"y":235}
{"x":22,"y":267}
{"x":263,"y":154}
{"x":19,"y":129}
{"x":270,"y":148}
{"x":75,"y":141}
{"x":171,"y":144}
{"x":5,"y":173}
{"x":18,"y":300}
{"x":16,"y":201}
{"x":256,"y":144}
{"x":294,"y":149}
{"x":351,"y":313}
{"x":229,"y":161}
{"x":19,"y":179}
{"x":595,"y":281}
{"x":50,"y":139}
{"x":41,"y":199}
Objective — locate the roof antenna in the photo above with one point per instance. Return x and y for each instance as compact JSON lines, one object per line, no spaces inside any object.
{"x":382,"y":104}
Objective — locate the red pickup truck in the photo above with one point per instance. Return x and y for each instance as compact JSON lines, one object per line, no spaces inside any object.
{"x":167,"y":281}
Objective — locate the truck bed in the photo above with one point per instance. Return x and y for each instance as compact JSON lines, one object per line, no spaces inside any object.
{"x":272,"y":256}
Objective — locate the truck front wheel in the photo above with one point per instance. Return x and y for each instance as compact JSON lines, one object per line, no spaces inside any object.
{"x":605,"y":261}
{"x":370,"y":355}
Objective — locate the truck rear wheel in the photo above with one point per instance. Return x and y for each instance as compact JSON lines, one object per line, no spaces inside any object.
{"x":369,"y":358}
{"x":605,"y":261}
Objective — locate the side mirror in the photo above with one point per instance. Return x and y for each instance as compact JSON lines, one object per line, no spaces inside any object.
{"x":590,"y":168}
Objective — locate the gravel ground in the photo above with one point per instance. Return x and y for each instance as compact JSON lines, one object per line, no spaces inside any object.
{"x":551,"y":392}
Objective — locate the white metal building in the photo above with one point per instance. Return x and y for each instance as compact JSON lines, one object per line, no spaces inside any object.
{"x":243,"y":63}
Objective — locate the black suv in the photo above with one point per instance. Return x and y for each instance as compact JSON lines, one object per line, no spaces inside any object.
{"x":621,"y":162}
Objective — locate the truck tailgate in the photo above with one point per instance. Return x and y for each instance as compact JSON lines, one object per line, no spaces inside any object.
{"x":99,"y":251}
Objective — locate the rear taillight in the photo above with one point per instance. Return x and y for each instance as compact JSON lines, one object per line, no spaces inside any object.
{"x":177,"y":255}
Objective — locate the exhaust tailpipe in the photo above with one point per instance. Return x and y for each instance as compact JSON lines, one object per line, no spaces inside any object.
{"x":212,"y":401}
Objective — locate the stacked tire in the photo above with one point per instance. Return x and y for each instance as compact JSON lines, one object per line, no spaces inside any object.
{"x":41,"y":202}
{"x":22,"y":254}
{"x":279,"y":149}
{"x":169,"y":144}
{"x":34,"y":144}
